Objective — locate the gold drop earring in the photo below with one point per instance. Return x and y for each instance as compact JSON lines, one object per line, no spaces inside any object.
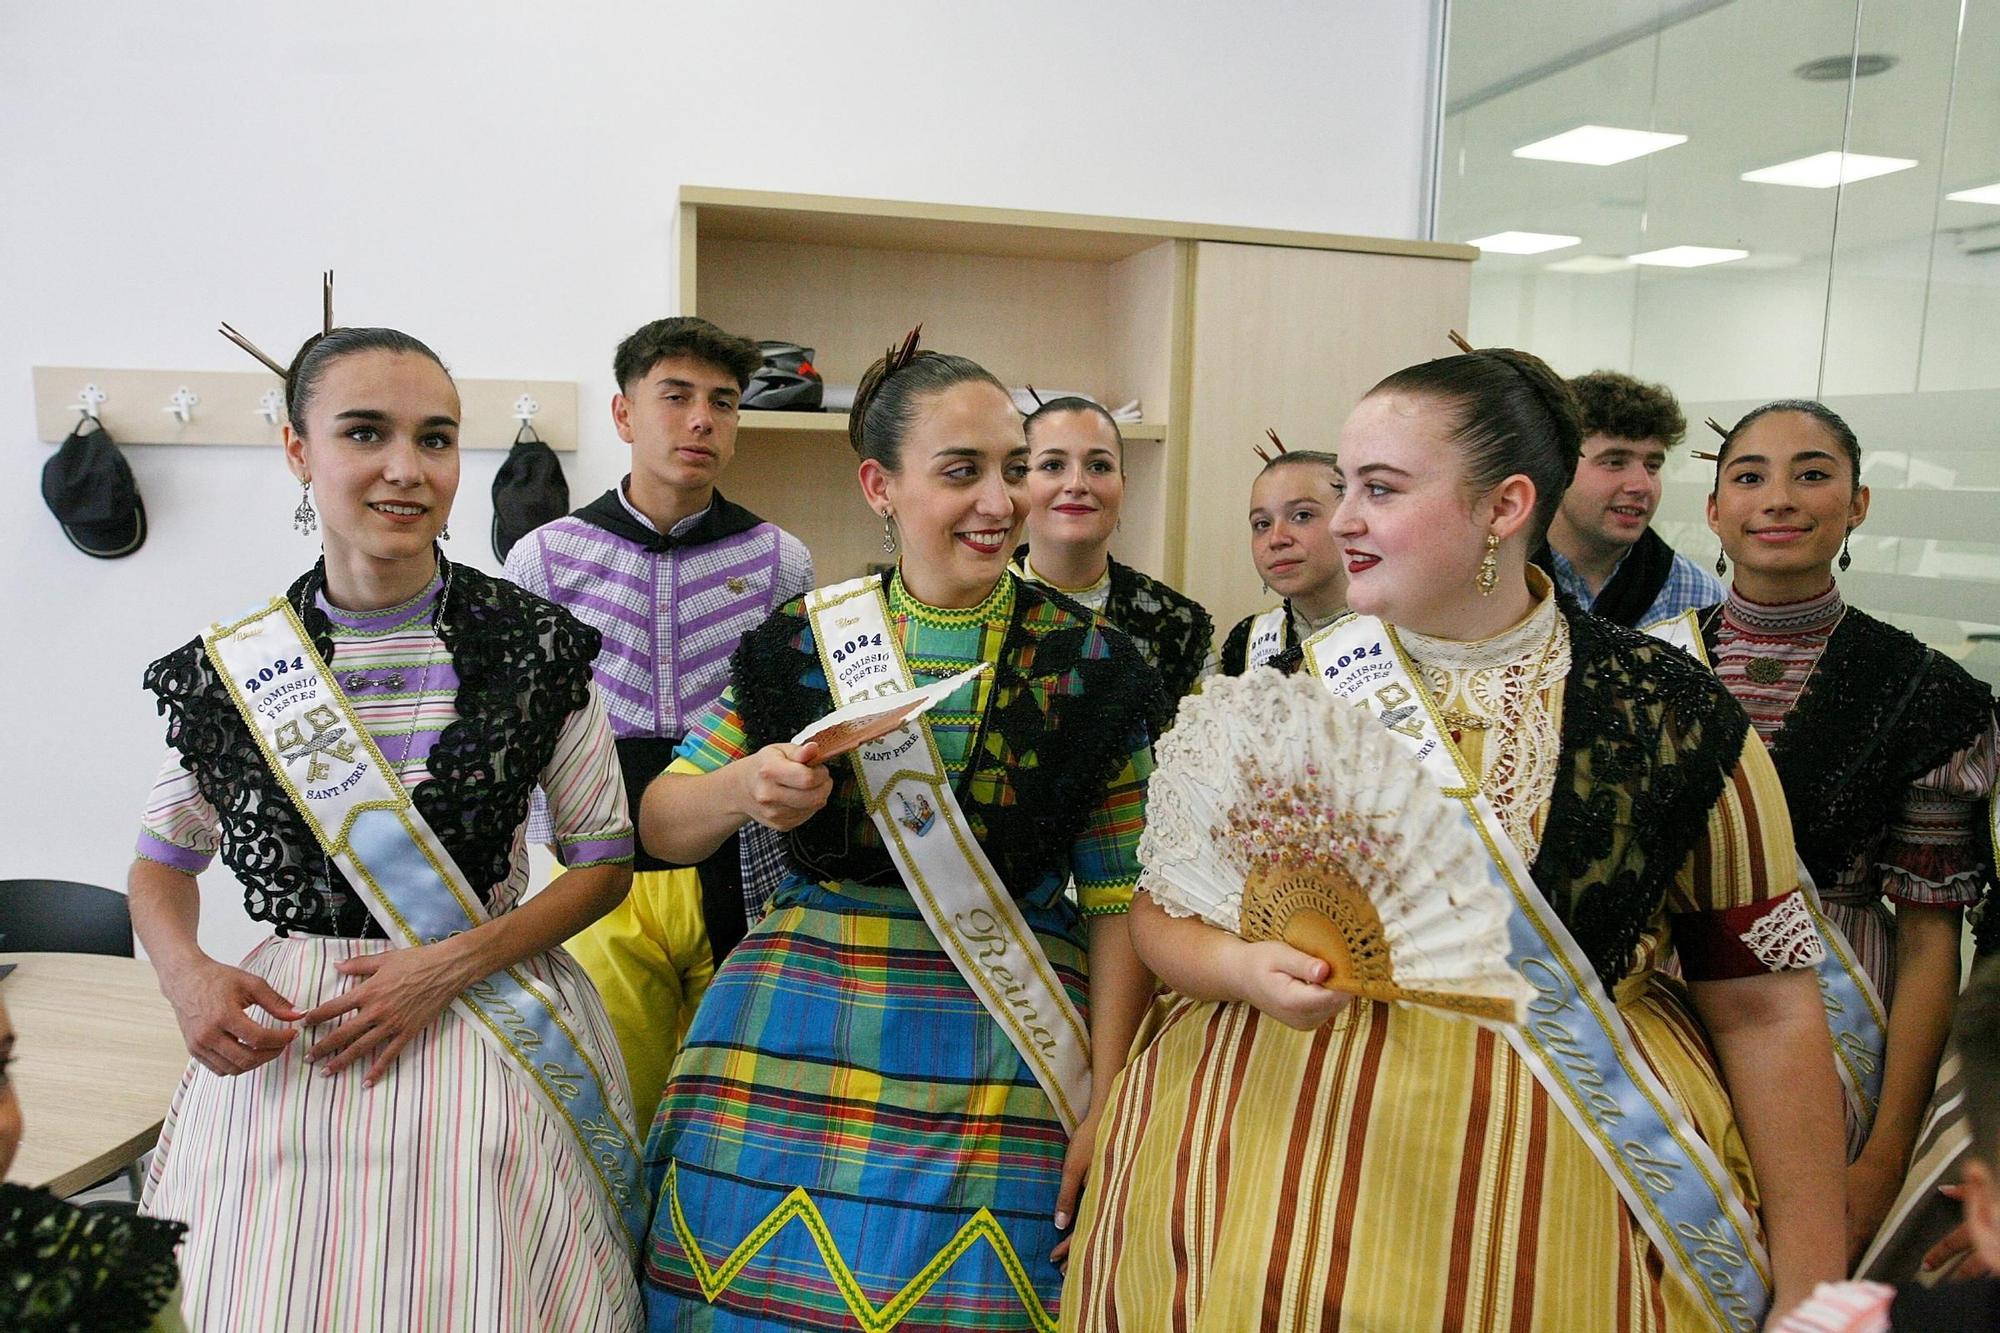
{"x":1488,"y":577}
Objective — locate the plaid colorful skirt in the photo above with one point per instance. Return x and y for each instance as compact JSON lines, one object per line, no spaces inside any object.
{"x":849,"y":1140}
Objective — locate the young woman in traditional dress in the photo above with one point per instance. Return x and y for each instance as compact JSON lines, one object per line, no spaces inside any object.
{"x":406,"y":1109}
{"x":1292,"y":545}
{"x":887,"y":1098}
{"x":1076,"y":490}
{"x":1885,"y":746}
{"x":1279,"y":1156}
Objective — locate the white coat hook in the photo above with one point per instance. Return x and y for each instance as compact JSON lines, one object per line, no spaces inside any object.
{"x":89,"y":399}
{"x":271,"y":406}
{"x":525,"y":408}
{"x":182,"y":404}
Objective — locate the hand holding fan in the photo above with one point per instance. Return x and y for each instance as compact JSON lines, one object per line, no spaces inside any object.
{"x":847,"y":729}
{"x":1277,"y":811}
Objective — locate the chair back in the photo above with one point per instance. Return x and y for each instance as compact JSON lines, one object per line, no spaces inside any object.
{"x":62,"y":916}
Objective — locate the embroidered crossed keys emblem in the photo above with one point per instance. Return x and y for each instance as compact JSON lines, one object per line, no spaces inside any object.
{"x":329,"y":736}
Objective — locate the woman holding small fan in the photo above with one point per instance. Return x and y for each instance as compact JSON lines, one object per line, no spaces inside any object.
{"x":1633,"y":1153}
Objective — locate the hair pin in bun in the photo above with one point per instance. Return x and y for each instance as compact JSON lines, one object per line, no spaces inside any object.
{"x":270,"y":362}
{"x":897,"y":357}
{"x":1458,"y":341}
{"x":251,"y":348}
{"x":1276,"y":443}
{"x":1703,"y":454}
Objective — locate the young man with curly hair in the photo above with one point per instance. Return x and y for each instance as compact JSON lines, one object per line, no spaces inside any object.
{"x":1602,"y":549}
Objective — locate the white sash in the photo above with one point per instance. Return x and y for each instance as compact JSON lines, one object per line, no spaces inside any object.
{"x":1575,"y":1042}
{"x":367,"y":825}
{"x":1267,"y":636}
{"x":1683,"y":632}
{"x":961,"y":896}
{"x":1855,"y":1016}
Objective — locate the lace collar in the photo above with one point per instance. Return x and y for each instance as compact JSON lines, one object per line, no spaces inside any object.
{"x":996,"y":607}
{"x":1783,"y":619}
{"x":1526,"y":641}
{"x":1099,"y":585}
{"x":387,"y":619}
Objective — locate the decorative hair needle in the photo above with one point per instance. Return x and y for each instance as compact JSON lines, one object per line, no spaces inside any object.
{"x":898,"y":357}
{"x":1458,"y":341}
{"x":1276,"y":443}
{"x":1037,"y":397}
{"x":1703,"y":454}
{"x":251,"y":348}
{"x":326,"y":304}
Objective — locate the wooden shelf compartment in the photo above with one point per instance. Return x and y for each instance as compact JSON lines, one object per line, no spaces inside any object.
{"x":834,"y":424}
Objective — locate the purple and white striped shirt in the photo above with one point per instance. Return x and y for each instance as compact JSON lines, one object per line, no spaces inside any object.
{"x":670,"y":619}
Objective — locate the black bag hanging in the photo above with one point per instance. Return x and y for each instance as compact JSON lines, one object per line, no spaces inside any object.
{"x":88,"y":486}
{"x":528,"y":491}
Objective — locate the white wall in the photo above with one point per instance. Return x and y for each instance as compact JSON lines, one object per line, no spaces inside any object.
{"x":500,"y":179}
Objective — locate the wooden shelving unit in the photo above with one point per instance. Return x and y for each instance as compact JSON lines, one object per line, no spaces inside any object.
{"x":835,"y":424}
{"x":1121,"y":308}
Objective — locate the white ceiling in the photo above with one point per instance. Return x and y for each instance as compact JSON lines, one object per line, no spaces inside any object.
{"x":1720,"y":71}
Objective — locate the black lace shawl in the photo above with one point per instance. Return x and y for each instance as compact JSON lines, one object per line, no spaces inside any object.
{"x":523,"y":667}
{"x":1649,"y":740}
{"x":65,"y":1269}
{"x":1170,"y":629}
{"x":1881,"y":710}
{"x":1236,"y":648}
{"x":1071,"y":699}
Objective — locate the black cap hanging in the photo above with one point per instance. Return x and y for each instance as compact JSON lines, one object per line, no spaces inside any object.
{"x":528,"y":491}
{"x":89,"y":488}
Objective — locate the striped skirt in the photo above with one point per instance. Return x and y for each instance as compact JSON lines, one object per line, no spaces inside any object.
{"x":446,"y":1197}
{"x":1394,"y":1169}
{"x":849,"y":1140}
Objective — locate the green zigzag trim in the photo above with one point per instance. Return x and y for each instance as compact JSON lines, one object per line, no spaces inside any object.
{"x":798,"y":1204}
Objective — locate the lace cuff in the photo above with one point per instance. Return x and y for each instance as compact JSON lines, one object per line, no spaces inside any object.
{"x":1771,"y":935}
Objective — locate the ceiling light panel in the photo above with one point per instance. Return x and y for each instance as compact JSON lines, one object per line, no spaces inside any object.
{"x":1688,"y":256}
{"x":1598,"y":145}
{"x":1984,"y":194}
{"x":1525,"y":242}
{"x":1590,"y":264}
{"x":1823,"y":171}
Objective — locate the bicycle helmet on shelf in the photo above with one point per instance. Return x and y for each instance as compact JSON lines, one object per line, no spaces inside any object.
{"x":787,"y":382}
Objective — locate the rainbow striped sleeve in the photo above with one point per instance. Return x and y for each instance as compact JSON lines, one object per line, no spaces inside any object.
{"x":1105,"y":856}
{"x":179,"y":828}
{"x":716,"y":737}
{"x":586,"y":793}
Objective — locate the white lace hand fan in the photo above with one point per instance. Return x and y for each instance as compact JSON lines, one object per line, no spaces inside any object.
{"x":1277,"y":811}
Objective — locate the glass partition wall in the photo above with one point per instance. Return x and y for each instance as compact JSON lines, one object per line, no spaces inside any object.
{"x":1756,"y":199}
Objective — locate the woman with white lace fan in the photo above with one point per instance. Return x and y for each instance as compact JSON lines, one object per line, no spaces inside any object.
{"x":1635,"y":1153}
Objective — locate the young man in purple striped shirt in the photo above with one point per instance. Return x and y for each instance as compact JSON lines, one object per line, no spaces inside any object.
{"x":673,"y":575}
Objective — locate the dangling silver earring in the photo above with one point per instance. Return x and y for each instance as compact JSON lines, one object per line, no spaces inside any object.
{"x":305,"y":518}
{"x":888,"y":534}
{"x":1846,"y":556}
{"x":444,"y":533}
{"x":1265,"y":586}
{"x":1721,"y":566}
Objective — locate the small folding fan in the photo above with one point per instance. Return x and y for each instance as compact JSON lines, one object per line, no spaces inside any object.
{"x":1277,"y":811}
